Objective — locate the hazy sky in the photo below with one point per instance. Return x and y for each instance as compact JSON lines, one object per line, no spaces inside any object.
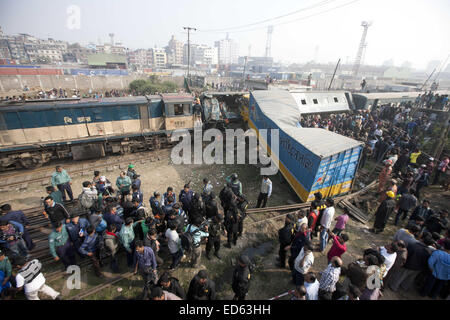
{"x":404,"y":30}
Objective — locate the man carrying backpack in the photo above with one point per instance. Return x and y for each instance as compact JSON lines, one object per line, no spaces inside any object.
{"x":88,"y":197}
{"x":197,"y":235}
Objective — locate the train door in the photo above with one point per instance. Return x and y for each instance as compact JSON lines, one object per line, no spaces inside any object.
{"x":145,"y":119}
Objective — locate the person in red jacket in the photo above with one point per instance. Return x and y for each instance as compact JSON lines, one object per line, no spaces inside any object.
{"x":339,"y":247}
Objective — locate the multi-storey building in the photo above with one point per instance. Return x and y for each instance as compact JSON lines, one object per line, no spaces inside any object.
{"x":174,"y":51}
{"x":140,"y":58}
{"x":228,"y":51}
{"x":159,"y":57}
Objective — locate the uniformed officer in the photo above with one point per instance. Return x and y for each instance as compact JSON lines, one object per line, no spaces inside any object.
{"x":241,"y":278}
{"x":232,"y":224}
{"x":60,"y":245}
{"x":226,"y":195}
{"x":201,"y":288}
{"x":211,"y":208}
{"x":215,"y":227}
{"x":236,"y":185}
{"x":285,"y":236}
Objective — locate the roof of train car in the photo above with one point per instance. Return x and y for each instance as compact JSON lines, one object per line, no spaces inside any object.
{"x":388,"y":95}
{"x":82,"y":103}
{"x":281,"y":108}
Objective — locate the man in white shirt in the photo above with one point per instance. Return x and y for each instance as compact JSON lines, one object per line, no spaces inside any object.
{"x":303,"y":263}
{"x":173,"y":241}
{"x":265,"y":193}
{"x":390,"y":254}
{"x":32,"y":281}
{"x":325,"y":223}
{"x":312,"y":286}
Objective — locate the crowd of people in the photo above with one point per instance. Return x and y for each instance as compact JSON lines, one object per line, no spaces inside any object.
{"x":419,"y":253}
{"x":64,"y":94}
{"x":111,"y":218}
{"x":173,"y":229}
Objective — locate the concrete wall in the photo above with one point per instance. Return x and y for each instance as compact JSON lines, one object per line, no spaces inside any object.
{"x":10,"y":85}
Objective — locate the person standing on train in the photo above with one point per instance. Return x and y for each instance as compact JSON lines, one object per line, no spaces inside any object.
{"x":61,"y":181}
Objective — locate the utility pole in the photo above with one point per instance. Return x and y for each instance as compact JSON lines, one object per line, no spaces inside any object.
{"x":189,"y":48}
{"x":334,"y":73}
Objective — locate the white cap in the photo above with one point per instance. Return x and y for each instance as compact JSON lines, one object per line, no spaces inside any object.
{"x":103,"y":179}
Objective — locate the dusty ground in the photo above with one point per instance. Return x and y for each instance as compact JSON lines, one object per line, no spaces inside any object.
{"x":259,"y":241}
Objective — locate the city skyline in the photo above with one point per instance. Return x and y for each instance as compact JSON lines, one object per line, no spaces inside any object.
{"x":390,"y":38}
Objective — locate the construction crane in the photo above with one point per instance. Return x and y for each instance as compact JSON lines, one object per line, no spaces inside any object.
{"x":362,"y":45}
{"x":269,"y":41}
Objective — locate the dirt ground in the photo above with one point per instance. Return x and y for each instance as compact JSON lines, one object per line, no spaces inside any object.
{"x":259,"y":241}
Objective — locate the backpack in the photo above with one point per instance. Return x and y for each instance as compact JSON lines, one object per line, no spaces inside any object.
{"x":86,"y":200}
{"x":187,"y":239}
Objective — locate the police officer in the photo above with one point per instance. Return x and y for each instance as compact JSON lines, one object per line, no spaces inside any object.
{"x":285,"y":236}
{"x":201,"y":288}
{"x":236,"y":185}
{"x":211,"y":208}
{"x":241,"y":278}
{"x":232,"y":224}
{"x":197,"y":208}
{"x":60,"y":245}
{"x":214,"y":236}
{"x":171,"y":284}
{"x":226,"y":195}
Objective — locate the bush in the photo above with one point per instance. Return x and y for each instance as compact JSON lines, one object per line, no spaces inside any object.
{"x":151,"y":86}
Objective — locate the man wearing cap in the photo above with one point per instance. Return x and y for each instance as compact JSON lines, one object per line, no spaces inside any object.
{"x":384,"y":210}
{"x":60,"y":246}
{"x":156,"y":203}
{"x":185,"y":197}
{"x":201,"y":288}
{"x":131,"y":171}
{"x":241,"y":278}
{"x":76,"y":229}
{"x":236,"y":185}
{"x":17,"y":216}
{"x":285,"y":236}
{"x":61,"y":181}
{"x":136,"y":182}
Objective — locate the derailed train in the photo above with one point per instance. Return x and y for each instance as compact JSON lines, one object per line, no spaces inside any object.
{"x":310,"y":159}
{"x":32,"y":134}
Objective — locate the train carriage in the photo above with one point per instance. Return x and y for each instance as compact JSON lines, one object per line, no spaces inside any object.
{"x":310,"y":159}
{"x":34,"y":133}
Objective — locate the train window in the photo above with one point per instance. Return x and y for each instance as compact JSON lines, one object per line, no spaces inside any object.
{"x":186,"y":109}
{"x":303,"y":101}
{"x":315,"y":101}
{"x":178,"y":109}
{"x":336,"y":100}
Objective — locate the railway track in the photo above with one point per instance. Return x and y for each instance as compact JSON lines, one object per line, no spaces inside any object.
{"x":39,"y":231}
{"x":43,"y":175}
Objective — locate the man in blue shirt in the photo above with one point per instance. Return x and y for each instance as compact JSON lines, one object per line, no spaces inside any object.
{"x":145,"y":262}
{"x":111,"y":217}
{"x":90,"y":248}
{"x":18,"y":216}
